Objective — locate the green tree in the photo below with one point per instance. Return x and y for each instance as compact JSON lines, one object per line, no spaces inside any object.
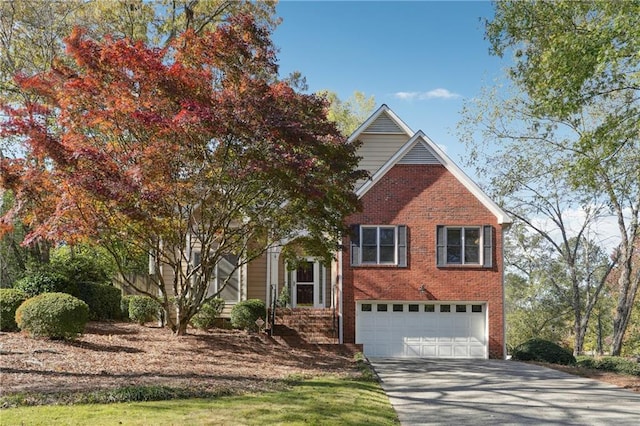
{"x":534,"y":307}
{"x":351,"y":113}
{"x":577,"y":68}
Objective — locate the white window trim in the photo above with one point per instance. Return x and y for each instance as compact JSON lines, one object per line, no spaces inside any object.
{"x":462,"y":245}
{"x":395,"y":244}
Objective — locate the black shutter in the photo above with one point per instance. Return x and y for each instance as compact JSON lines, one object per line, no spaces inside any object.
{"x":487,"y":246}
{"x":355,"y":245}
{"x":402,"y":246}
{"x":441,"y":246}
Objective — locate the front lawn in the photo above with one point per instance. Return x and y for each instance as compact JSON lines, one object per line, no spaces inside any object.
{"x":325,"y":400}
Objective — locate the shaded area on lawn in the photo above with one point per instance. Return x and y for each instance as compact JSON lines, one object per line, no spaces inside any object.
{"x":327,"y":401}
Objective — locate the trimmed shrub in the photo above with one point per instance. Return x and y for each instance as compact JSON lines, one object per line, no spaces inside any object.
{"x":143,"y":309}
{"x":10,"y":300}
{"x":124,"y":307}
{"x":543,"y":351}
{"x":45,"y":281}
{"x":208,"y":314}
{"x":103,"y":301}
{"x":245,"y":314}
{"x":53,"y":315}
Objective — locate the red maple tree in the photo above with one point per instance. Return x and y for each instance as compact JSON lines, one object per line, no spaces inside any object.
{"x":198,"y":146}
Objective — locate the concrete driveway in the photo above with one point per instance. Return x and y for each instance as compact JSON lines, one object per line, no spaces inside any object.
{"x":493,"y":392}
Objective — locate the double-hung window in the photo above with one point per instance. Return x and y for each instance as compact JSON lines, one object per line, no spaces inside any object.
{"x":225,"y":280}
{"x":379,"y":245}
{"x":465,"y":245}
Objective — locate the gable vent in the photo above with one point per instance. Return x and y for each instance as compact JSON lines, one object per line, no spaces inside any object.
{"x":419,"y":154}
{"x":383,"y":124}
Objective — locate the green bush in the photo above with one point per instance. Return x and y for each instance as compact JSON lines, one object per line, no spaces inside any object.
{"x":124,"y":307}
{"x":208,"y":314}
{"x":53,"y":315}
{"x":615,"y":364}
{"x":45,"y":281}
{"x":10,"y":300}
{"x":542,"y":351}
{"x":103,"y":300}
{"x":83,"y":264}
{"x":143,"y":309}
{"x":245,"y":314}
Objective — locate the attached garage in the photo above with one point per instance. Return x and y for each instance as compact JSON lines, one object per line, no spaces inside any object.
{"x":422,"y":330}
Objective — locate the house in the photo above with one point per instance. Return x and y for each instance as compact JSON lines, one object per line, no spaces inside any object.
{"x":421,"y":273}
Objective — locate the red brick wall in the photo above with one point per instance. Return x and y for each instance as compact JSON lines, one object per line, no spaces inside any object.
{"x":423,"y":197}
{"x":309,"y":324}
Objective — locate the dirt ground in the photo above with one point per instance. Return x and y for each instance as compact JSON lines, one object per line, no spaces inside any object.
{"x":110,"y":355}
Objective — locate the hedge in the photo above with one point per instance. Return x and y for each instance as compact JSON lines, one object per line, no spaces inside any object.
{"x":53,"y":315}
{"x":103,"y":301}
{"x":615,"y":364}
{"x":10,"y":300}
{"x":542,"y":351}
{"x":45,"y":281}
{"x":244,"y":314}
{"x":208,"y":314}
{"x":143,"y":309}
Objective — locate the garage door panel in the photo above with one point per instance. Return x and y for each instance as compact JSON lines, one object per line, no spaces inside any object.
{"x":476,"y":351}
{"x":454,"y":332}
{"x":444,"y":351}
{"x":428,"y":351}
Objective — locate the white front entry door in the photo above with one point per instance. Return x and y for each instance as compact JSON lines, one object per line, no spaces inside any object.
{"x":422,"y":330}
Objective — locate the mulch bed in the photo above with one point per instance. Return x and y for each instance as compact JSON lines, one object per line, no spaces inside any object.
{"x":110,"y":355}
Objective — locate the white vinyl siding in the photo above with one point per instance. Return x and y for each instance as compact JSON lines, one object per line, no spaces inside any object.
{"x":376,"y":149}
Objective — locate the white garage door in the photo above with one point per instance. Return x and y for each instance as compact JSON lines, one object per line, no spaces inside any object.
{"x":422,"y":330}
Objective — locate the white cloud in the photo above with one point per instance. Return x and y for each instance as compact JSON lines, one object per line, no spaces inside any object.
{"x":438,"y":93}
{"x":406,"y":96}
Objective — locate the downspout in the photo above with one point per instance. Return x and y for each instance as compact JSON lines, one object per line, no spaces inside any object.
{"x":339,"y":296}
{"x":504,"y":308}
{"x":268,"y":279}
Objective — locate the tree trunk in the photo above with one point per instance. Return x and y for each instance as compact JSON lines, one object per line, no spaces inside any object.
{"x":599,"y":344}
{"x":181,"y":321}
{"x":181,"y":328}
{"x":628,"y":287}
{"x":620,"y":322}
{"x":579,"y":331}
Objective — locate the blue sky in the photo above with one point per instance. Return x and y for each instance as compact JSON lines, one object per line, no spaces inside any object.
{"x":421,"y":58}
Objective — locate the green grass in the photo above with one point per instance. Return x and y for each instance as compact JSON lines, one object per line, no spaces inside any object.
{"x":325,"y":401}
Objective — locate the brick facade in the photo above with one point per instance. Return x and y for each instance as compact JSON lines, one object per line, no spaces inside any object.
{"x":307,"y":324}
{"x":423,"y":197}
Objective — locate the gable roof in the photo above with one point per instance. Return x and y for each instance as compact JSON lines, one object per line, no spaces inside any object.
{"x":382,"y":121}
{"x":419,"y":149}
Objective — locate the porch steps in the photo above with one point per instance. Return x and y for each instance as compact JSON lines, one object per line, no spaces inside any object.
{"x":303,"y":325}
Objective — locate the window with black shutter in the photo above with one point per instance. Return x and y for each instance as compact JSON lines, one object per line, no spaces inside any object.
{"x":379,"y":245}
{"x":464,"y":246}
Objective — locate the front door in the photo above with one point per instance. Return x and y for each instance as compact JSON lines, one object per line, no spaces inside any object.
{"x":306,"y":284}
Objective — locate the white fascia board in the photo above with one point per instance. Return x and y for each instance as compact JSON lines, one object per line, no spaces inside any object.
{"x":382,"y":110}
{"x":420,"y":137}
